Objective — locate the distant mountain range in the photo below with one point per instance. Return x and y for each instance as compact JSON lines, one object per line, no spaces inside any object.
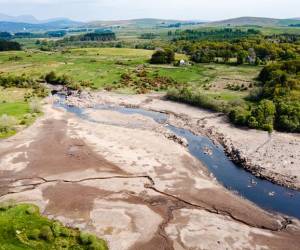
{"x":258,"y":21}
{"x":18,"y":19}
{"x":30,"y":23}
{"x":32,"y":20}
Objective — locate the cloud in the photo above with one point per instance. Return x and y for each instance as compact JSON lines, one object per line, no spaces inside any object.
{"x":125,"y":9}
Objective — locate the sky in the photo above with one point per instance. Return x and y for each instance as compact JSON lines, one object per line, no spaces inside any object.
{"x":209,"y":10}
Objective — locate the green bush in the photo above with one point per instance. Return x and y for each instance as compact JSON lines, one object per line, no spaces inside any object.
{"x":239,"y":116}
{"x":288,"y":116}
{"x":34,"y":234}
{"x":92,"y":242}
{"x":65,"y":80}
{"x":163,"y":56}
{"x":264,"y":115}
{"x":54,"y":79}
{"x":46,"y":233}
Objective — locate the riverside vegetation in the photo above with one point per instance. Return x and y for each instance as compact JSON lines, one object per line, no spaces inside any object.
{"x":273,"y":103}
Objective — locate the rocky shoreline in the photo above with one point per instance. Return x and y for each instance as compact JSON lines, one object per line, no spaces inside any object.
{"x":197,"y":126}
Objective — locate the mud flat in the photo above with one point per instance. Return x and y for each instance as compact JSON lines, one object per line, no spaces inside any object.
{"x":124,"y":180}
{"x":275,"y":157}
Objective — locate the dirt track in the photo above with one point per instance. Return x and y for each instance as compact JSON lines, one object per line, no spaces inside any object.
{"x":132,"y":186}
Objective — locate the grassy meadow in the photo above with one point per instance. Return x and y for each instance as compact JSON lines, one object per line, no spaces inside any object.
{"x":104,"y":66}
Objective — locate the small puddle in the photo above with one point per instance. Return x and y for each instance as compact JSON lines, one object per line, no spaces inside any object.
{"x":261,"y":192}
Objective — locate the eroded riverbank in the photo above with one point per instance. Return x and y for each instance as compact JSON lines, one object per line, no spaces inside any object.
{"x":122,"y":179}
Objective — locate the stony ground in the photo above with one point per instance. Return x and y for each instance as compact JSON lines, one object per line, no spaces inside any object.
{"x":123,"y":179}
{"x":275,"y":157}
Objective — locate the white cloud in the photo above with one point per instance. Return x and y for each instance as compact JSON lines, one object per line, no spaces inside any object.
{"x":123,"y":9}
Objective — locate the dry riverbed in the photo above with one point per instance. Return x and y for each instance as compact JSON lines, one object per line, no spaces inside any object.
{"x":275,"y":157}
{"x":126,"y":179}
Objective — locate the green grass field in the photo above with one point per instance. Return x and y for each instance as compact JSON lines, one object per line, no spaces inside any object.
{"x":104,"y":66}
{"x":22,"y":227}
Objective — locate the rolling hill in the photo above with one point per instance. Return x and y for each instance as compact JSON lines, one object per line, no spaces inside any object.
{"x":258,"y":21}
{"x":139,"y":23}
{"x":18,"y":19}
{"x":22,"y":26}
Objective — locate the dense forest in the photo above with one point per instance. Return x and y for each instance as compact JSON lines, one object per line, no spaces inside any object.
{"x":214,"y":34}
{"x":95,"y":36}
{"x":253,"y":51}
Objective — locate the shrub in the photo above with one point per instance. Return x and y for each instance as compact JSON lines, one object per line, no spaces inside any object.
{"x":92,"y":242}
{"x":255,"y":94}
{"x":98,"y":245}
{"x":56,"y":229}
{"x":252,"y":122}
{"x":7,"y":123}
{"x":35,"y":106}
{"x":85,"y":238}
{"x":288,"y":116}
{"x":65,"y":80}
{"x":264,"y":115}
{"x":239,"y":116}
{"x":32,"y":210}
{"x":53,"y":79}
{"x":163,"y":56}
{"x":34,"y":234}
{"x":46,"y":233}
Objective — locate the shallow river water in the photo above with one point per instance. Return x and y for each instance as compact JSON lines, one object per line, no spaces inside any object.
{"x":261,"y":192}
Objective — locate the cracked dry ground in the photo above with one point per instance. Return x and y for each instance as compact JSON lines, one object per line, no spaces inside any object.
{"x":132,"y":186}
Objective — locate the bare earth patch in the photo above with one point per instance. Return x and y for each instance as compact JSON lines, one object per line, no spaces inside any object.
{"x":125,"y":181}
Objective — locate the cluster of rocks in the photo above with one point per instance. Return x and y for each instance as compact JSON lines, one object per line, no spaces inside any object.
{"x":177,"y":139}
{"x":239,"y":158}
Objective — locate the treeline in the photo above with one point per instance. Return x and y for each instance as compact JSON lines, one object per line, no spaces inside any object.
{"x":148,"y":36}
{"x":275,"y":104}
{"x":48,"y":34}
{"x":9,"y":45}
{"x":284,"y":38}
{"x":295,"y":25}
{"x":253,"y":51}
{"x":234,"y":46}
{"x":276,"y":101}
{"x":96,"y":36}
{"x":216,"y":34}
